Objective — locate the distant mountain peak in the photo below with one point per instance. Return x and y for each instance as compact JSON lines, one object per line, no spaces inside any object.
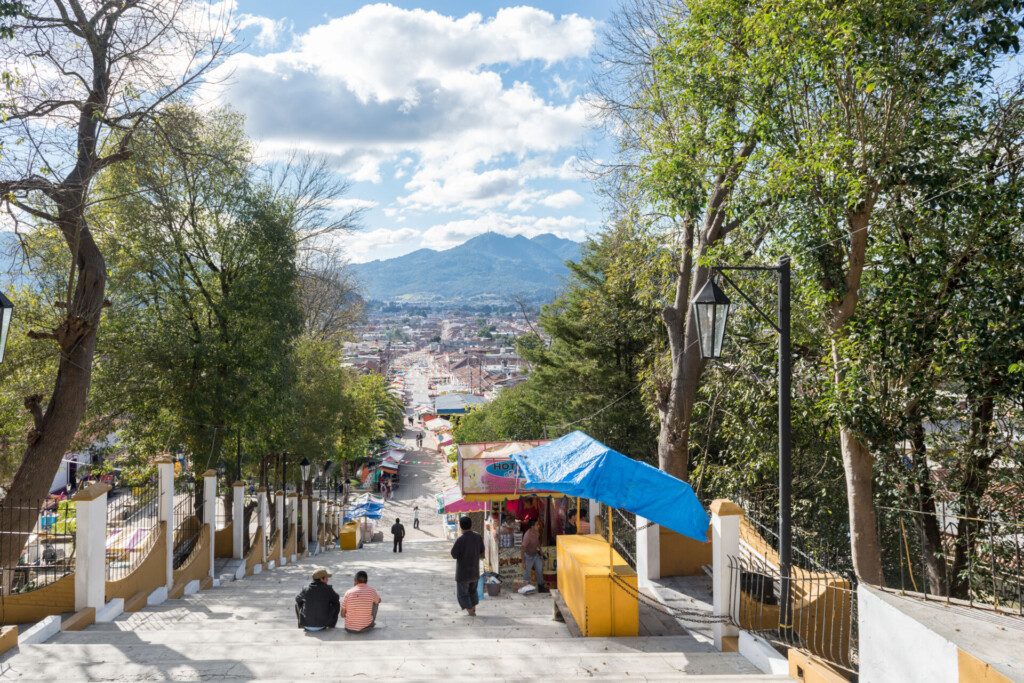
{"x":489,"y":267}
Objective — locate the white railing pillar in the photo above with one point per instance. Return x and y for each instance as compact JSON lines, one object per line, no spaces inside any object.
{"x":318,"y":511}
{"x":165,"y":513}
{"x":725,"y":547}
{"x":293,"y":517}
{"x":279,"y":503}
{"x":264,"y":517}
{"x":237,"y":519}
{"x":648,"y":552}
{"x":91,"y":546}
{"x":210,"y":512}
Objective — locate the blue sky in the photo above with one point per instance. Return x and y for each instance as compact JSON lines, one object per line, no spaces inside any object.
{"x":448,"y":118}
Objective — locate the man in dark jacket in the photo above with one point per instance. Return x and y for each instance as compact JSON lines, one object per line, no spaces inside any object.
{"x":318,"y":605}
{"x":397,"y":534}
{"x":467,"y":552}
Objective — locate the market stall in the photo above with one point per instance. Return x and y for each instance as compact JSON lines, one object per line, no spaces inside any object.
{"x":486,"y":473}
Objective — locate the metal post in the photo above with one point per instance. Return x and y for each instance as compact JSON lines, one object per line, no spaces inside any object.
{"x":785,"y":451}
{"x":238,"y":454}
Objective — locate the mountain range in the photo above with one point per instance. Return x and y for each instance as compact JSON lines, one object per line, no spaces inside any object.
{"x":488,"y":268}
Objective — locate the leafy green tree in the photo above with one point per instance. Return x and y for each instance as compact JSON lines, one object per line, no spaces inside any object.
{"x":205,"y":303}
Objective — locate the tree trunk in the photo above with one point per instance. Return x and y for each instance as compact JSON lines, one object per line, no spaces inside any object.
{"x":858,"y":465}
{"x":976,"y":464}
{"x":927,"y":521}
{"x":55,"y":428}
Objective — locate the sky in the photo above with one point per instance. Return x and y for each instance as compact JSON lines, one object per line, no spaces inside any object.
{"x":449,"y":119}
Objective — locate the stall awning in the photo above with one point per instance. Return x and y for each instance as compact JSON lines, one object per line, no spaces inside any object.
{"x":578,"y":465}
{"x":438,"y":424}
{"x":451,"y":500}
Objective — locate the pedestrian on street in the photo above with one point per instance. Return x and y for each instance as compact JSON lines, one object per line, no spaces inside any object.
{"x":416,"y":517}
{"x":531,"y":555}
{"x":467,"y":551}
{"x":317,"y":606}
{"x":397,"y":534}
{"x":359,"y":606}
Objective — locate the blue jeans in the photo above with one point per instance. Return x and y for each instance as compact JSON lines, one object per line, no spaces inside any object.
{"x":536,"y":563}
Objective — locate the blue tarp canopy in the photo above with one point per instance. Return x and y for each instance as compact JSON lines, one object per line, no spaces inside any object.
{"x":578,"y":465}
{"x":370,"y":510}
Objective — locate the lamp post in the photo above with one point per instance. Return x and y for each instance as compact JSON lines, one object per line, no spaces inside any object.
{"x":6,"y":311}
{"x":711,"y":310}
{"x":284,"y":471}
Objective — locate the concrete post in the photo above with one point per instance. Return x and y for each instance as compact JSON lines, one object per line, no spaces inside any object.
{"x":293,"y":517}
{"x":237,"y":519}
{"x":210,"y":512}
{"x":279,"y":503}
{"x":318,"y":510}
{"x":594,"y":509}
{"x":165,"y":512}
{"x":725,"y":544}
{"x":263,"y":511}
{"x":648,"y":552}
{"x":91,"y":546}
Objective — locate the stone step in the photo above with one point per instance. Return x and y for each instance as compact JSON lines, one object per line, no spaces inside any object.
{"x":113,"y":664}
{"x":232,"y":641}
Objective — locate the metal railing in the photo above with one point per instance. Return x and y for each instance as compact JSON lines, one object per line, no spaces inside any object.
{"x":979,"y":560}
{"x":623,"y":532}
{"x":45,"y":553}
{"x":132,"y":524}
{"x":186,"y":523}
{"x":824,"y":609}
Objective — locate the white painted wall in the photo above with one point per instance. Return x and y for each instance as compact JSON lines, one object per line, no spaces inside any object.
{"x":895,"y":647}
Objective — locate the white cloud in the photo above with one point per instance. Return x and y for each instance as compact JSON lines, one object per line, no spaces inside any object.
{"x":353,"y":203}
{"x":453,"y":233}
{"x":385,"y":84}
{"x":380,"y":243}
{"x":562,"y":200}
{"x":269,"y":31}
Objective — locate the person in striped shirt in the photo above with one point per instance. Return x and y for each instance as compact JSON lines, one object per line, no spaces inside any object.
{"x":359,"y":606}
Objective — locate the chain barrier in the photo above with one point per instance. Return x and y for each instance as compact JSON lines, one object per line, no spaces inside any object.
{"x":693,"y":616}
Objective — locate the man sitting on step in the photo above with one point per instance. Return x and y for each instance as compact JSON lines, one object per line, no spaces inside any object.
{"x":318,"y":605}
{"x":359,"y":608}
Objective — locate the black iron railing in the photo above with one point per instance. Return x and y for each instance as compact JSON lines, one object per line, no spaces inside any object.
{"x":944,"y":555}
{"x":132,"y":528}
{"x":45,"y":553}
{"x":187,"y":526}
{"x":823,"y":613}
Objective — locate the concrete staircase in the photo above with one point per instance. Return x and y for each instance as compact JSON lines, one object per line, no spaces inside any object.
{"x":246,"y":630}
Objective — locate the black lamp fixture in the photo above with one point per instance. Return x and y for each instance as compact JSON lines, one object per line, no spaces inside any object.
{"x":710,"y":311}
{"x":328,"y":464}
{"x":221,"y":467}
{"x":6,"y":311}
{"x":304,"y":469}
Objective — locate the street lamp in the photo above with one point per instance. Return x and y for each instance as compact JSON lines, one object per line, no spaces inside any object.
{"x":6,"y":311}
{"x":304,"y":469}
{"x":710,"y":311}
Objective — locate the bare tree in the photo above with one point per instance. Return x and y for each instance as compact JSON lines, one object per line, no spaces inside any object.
{"x":85,"y":72}
{"x":649,"y":123}
{"x":331,"y":303}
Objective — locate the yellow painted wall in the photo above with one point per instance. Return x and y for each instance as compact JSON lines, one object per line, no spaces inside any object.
{"x":256,"y":552}
{"x":599,"y":605}
{"x":973,"y":670}
{"x":223,"y":543}
{"x":683,"y":556}
{"x":148,"y":575}
{"x":806,"y":669}
{"x":289,"y":549}
{"x":197,"y":566}
{"x":55,"y":598}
